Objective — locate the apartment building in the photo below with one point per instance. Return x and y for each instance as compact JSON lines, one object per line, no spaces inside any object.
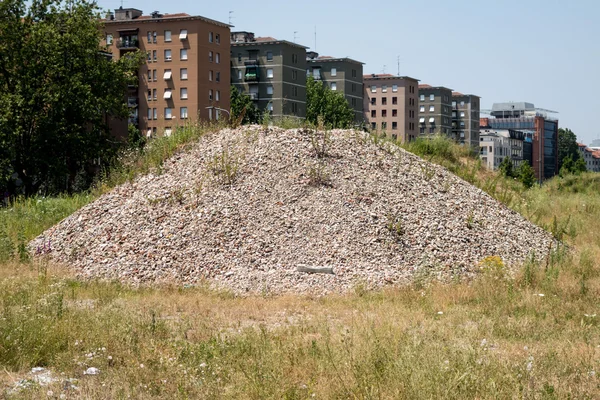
{"x":435,"y":113}
{"x":344,"y":75}
{"x":465,"y":118}
{"x":390,"y":105}
{"x":538,"y":125}
{"x":590,"y":156}
{"x":272,"y":72}
{"x":496,"y":145}
{"x":186,"y":76}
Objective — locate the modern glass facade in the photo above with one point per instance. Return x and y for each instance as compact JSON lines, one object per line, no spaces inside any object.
{"x":550,"y":148}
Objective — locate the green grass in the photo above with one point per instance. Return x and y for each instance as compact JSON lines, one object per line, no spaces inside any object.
{"x":494,"y":337}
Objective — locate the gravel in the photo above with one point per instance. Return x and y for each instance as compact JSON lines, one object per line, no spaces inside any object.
{"x":245,"y":209}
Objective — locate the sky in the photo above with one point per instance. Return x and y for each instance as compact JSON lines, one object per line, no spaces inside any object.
{"x":543,"y":52}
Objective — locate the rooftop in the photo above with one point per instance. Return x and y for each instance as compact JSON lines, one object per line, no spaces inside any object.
{"x":136,"y":16}
{"x":426,"y":86}
{"x":374,"y":77}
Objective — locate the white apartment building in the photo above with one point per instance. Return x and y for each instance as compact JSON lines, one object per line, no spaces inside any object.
{"x":497,"y":144}
{"x":590,"y":156}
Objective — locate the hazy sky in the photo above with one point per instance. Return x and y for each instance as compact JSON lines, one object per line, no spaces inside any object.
{"x":542,"y":51}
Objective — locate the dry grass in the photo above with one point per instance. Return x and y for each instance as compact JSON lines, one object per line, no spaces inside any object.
{"x":494,"y":337}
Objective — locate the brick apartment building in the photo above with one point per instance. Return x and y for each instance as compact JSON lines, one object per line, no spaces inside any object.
{"x":186,"y":76}
{"x":435,"y":110}
{"x":391,"y":104}
{"x":344,"y":75}
{"x":539,"y":128}
{"x":272,"y":72}
{"x":465,"y":118}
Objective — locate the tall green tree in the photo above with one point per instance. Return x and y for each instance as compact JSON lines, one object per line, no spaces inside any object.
{"x":506,"y":167}
{"x":242,"y":103}
{"x":526,"y":174}
{"x":567,"y":146}
{"x":323,"y":102}
{"x":57,"y":92}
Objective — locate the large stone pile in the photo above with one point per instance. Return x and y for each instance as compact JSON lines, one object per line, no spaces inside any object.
{"x":243,"y":209}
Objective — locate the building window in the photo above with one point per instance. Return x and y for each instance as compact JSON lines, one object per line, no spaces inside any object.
{"x":168,"y":114}
{"x":149,"y":37}
{"x":431,"y":97}
{"x":354,"y":73}
{"x":373,"y":113}
{"x":295,"y":91}
{"x":154,"y":75}
{"x":269,"y":89}
{"x":394,"y":125}
{"x":183,"y":113}
{"x":394,"y":113}
{"x":183,"y":75}
{"x":210,"y":94}
{"x":183,"y":34}
{"x":422,"y":97}
{"x":210,"y":75}
{"x":168,"y":55}
{"x":421,"y":130}
{"x":183,"y":93}
{"x":155,"y":113}
{"x":149,"y":114}
{"x":154,"y":94}
{"x":153,"y":37}
{"x":109,"y":39}
{"x":210,"y":56}
{"x":431,"y":108}
{"x":149,"y":75}
{"x":384,"y":89}
{"x":432,"y":130}
{"x":394,"y":88}
{"x":239,"y":74}
{"x":269,"y":56}
{"x":294,"y":75}
{"x":333,"y":86}
{"x":317,"y":73}
{"x":218,"y":38}
{"x":462,"y":103}
{"x":294,"y":58}
{"x":183,"y":54}
{"x":383,"y":126}
{"x":394,"y":100}
{"x":167,"y":36}
{"x":373,"y":89}
{"x":149,"y":95}
{"x":210,"y":37}
{"x":239,"y":57}
{"x":333,"y":71}
{"x":218,"y":76}
{"x":384,"y":113}
{"x":269,"y":72}
{"x":270,"y":107}
{"x":384,"y":101}
{"x":154,"y":55}
{"x":422,"y":109}
{"x":149,"y":54}
{"x":218,"y":95}
{"x":218,"y":58}
{"x":373,"y":101}
{"x":453,"y":104}
{"x":462,"y":113}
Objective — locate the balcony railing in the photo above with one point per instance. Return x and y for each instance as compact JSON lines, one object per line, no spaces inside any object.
{"x":251,"y":74}
{"x":127,"y":43}
{"x":132,"y":102}
{"x":253,"y":96}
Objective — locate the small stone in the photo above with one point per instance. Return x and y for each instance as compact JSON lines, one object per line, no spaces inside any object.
{"x":92,"y":371}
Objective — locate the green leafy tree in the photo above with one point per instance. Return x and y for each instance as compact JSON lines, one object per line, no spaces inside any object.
{"x":506,"y":167}
{"x":330,"y":105}
{"x":526,"y":174}
{"x":242,"y":103}
{"x":57,"y":92}
{"x":567,"y":147}
{"x":570,"y":167}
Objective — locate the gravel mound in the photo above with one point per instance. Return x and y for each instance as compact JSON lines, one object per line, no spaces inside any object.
{"x":245,"y":209}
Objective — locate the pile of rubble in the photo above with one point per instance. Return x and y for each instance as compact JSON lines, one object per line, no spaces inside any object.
{"x":253,"y":210}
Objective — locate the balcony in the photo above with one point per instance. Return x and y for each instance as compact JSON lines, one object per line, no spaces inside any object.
{"x":132,"y":102}
{"x":128,"y":43}
{"x":253,"y":96}
{"x":252,"y":74}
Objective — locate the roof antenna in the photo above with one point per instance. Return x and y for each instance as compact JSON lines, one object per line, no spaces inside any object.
{"x":398,"y":65}
{"x":315,"y":38}
{"x":230,"y":16}
{"x":295,"y":36}
{"x":383,"y":70}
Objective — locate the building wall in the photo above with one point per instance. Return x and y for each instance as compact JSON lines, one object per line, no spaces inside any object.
{"x":406,"y":106}
{"x":441,"y":114}
{"x":198,"y":65}
{"x":288,"y":83}
{"x":348,"y":80}
{"x":465,"y":119}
